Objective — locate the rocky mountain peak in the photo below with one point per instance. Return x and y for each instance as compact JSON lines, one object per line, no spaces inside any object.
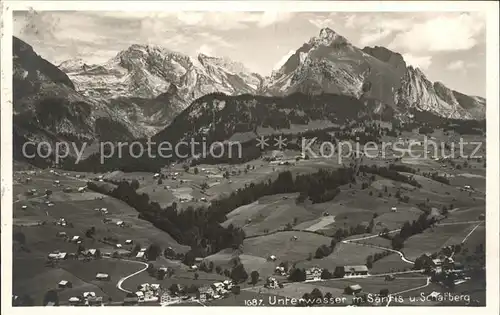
{"x":328,"y":37}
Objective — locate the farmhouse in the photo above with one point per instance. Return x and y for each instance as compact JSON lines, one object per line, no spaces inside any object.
{"x":140,"y":296}
{"x":24,"y":207}
{"x":350,"y":271}
{"x":129,"y":242}
{"x":205,"y":293}
{"x":64,"y":284}
{"x":82,"y":189}
{"x":313,"y":273}
{"x":218,"y":287}
{"x":228,"y":284}
{"x":140,"y":255}
{"x":198,"y":260}
{"x":280,"y":270}
{"x":87,"y":295}
{"x":74,"y":300}
{"x":61,"y":234}
{"x":436,"y":263}
{"x":57,"y":256}
{"x":92,"y":252}
{"x":272,"y":258}
{"x":102,"y":276}
{"x":75,"y":238}
{"x":353,"y":289}
{"x":271,"y":283}
{"x":394,"y":209}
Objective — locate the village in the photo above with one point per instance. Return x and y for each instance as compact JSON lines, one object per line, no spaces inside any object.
{"x":103,"y":232}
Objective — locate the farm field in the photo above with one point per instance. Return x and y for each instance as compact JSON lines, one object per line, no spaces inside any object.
{"x":283,"y":246}
{"x":343,"y":254}
{"x":438,"y":237}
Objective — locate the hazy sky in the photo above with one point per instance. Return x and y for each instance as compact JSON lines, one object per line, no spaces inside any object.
{"x":448,"y":47}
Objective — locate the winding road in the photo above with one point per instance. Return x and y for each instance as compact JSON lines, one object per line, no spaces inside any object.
{"x":120,"y":282}
{"x":355,"y":241}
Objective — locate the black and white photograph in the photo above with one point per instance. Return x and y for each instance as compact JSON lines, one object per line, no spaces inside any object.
{"x":250,"y":154}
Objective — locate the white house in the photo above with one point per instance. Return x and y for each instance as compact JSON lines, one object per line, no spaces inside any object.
{"x":128,"y":242}
{"x":88,"y":294}
{"x":64,"y":284}
{"x":140,"y":255}
{"x":394,"y":209}
{"x":102,"y":276}
{"x":272,"y":258}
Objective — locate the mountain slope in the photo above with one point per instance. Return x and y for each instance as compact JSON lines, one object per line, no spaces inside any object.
{"x":151,"y":84}
{"x":47,"y":107}
{"x":146,"y":71}
{"x":329,"y":63}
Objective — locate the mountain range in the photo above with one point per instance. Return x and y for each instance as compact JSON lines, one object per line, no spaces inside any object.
{"x":144,"y":88}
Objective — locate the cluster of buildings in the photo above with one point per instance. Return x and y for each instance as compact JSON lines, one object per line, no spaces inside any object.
{"x":148,"y":292}
{"x":86,"y":299}
{"x":216,"y":290}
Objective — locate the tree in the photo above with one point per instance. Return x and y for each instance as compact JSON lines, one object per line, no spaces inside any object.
{"x":174,"y":289}
{"x":160,"y":181}
{"x":325,"y":274}
{"x":297,"y":275}
{"x":333,"y":243}
{"x":196,"y":171}
{"x":239,"y":274}
{"x":323,"y":251}
{"x":51,"y":296}
{"x":90,"y":232}
{"x":196,"y":276}
{"x":397,"y":242}
{"x":369,"y":261}
{"x":136,"y":249}
{"x":254,"y":275}
{"x":134,"y":184}
{"x":80,"y":248}
{"x":384,"y":292}
{"x":316,"y":294}
{"x":328,"y":296}
{"x":153,"y":251}
{"x":218,"y":270}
